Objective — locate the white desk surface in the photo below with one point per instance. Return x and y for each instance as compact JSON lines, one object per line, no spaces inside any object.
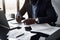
{"x":43,"y":28}
{"x":12,"y":34}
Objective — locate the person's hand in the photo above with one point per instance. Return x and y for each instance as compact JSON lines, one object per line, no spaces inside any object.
{"x":29,"y":21}
{"x":19,"y":19}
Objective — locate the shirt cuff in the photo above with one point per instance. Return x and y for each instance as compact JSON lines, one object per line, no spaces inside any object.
{"x":17,"y":14}
{"x":37,"y":20}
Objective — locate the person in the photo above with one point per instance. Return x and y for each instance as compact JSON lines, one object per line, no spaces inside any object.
{"x":39,"y":11}
{"x":3,"y":26}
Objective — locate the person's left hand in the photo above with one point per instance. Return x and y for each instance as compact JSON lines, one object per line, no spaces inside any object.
{"x":29,"y":21}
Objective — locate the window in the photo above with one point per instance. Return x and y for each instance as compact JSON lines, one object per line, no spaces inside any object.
{"x":11,"y":6}
{"x":1,"y":5}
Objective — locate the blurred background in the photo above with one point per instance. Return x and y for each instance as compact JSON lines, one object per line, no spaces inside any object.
{"x":11,"y":6}
{"x":56,"y":4}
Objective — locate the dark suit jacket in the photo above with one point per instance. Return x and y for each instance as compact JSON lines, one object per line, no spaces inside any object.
{"x":45,"y":11}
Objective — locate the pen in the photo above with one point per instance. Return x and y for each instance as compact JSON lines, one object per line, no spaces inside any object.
{"x":20,"y":35}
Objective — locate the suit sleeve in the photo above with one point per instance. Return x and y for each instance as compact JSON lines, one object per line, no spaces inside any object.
{"x":23,"y":9}
{"x":51,"y":15}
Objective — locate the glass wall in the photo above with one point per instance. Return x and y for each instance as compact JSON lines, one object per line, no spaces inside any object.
{"x":10,"y":7}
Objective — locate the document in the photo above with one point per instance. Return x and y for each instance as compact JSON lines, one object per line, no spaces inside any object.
{"x":25,"y":35}
{"x":44,"y":28}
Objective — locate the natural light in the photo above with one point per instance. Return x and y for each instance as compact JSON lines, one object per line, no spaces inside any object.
{"x":11,"y":7}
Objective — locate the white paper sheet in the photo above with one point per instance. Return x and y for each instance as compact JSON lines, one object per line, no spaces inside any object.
{"x":44,"y":28}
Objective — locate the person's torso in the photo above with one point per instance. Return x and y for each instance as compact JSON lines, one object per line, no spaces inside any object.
{"x":41,"y":8}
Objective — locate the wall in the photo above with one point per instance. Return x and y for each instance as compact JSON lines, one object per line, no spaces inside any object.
{"x":56,"y":4}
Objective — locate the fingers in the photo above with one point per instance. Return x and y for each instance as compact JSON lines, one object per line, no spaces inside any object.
{"x":29,"y":21}
{"x":19,"y":19}
{"x":22,"y":18}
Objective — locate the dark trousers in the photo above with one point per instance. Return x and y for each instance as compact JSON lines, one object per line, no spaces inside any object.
{"x":3,"y":33}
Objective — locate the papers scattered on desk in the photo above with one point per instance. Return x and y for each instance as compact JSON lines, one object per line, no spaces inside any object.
{"x":15,"y":33}
{"x":14,"y":24}
{"x":46,"y":29}
{"x":11,"y":24}
{"x":27,"y":35}
{"x":9,"y":19}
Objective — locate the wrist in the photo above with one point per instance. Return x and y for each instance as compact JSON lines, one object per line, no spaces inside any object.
{"x":18,"y":15}
{"x":37,"y":20}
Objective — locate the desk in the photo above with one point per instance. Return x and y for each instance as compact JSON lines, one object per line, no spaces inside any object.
{"x":42,"y":28}
{"x":13,"y":33}
{"x":9,"y":18}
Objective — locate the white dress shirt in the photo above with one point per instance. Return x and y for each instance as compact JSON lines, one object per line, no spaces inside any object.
{"x":34,"y":15}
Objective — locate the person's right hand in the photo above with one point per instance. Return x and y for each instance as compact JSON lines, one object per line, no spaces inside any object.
{"x":19,"y":19}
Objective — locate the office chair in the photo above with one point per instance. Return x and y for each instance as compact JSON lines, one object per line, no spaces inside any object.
{"x":3,"y":26}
